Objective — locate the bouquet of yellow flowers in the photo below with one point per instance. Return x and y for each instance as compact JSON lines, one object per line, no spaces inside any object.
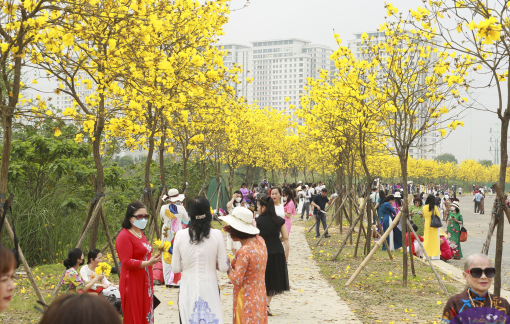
{"x":164,"y":247}
{"x":103,"y":268}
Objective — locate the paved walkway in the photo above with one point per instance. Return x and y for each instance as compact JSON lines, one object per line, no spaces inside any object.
{"x":311,"y":299}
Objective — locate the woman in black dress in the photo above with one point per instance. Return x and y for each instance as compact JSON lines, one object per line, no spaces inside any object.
{"x":270,"y":226}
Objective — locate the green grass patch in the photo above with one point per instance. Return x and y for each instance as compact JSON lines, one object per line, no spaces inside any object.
{"x":378,"y":295}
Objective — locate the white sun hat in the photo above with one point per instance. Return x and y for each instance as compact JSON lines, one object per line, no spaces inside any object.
{"x":173,"y":195}
{"x":397,"y":194}
{"x":241,"y":220}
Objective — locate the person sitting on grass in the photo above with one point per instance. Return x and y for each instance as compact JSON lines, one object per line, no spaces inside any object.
{"x":72,"y":280}
{"x":88,"y":271}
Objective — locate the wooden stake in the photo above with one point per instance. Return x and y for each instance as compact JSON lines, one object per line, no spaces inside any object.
{"x":110,"y":242}
{"x":113,"y":239}
{"x":371,"y":254}
{"x":411,"y":255}
{"x":349,"y":233}
{"x":25,"y":263}
{"x":429,"y":260}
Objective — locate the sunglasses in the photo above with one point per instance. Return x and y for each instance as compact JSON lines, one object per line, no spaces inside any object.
{"x":477,"y":272}
{"x":146,"y":216}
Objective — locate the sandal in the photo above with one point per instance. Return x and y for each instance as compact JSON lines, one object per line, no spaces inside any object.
{"x":269,"y":311}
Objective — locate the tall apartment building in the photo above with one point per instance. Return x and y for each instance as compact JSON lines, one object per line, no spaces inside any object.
{"x":63,"y":100}
{"x":279,"y":69}
{"x":427,"y":146}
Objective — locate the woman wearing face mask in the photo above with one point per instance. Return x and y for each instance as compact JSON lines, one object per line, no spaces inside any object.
{"x":72,"y":280}
{"x":288,"y":207}
{"x":7,"y":266}
{"x":476,"y":303}
{"x":134,"y":252}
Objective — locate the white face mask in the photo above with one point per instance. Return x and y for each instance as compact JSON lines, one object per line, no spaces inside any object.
{"x":239,"y":199}
{"x":284,"y":199}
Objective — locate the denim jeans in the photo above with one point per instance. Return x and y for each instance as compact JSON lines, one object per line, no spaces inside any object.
{"x":319,"y":218}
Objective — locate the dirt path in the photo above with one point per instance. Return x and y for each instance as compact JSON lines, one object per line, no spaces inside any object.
{"x":311,"y":299}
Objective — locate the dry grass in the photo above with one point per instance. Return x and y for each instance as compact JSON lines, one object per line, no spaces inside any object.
{"x":377,"y":295}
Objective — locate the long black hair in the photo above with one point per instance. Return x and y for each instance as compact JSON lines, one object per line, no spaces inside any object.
{"x":290,"y":195}
{"x":382,"y":195}
{"x":389,"y":198}
{"x":398,"y":201}
{"x":199,"y":228}
{"x":93,"y":255}
{"x":72,"y":258}
{"x":267,"y":202}
{"x":431,"y":201}
{"x":130,"y":211}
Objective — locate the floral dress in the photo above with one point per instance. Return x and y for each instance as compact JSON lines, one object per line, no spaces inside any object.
{"x":249,"y":267}
{"x":453,"y":230}
{"x":72,"y":281}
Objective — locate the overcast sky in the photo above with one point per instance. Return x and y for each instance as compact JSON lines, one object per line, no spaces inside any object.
{"x":317,"y":20}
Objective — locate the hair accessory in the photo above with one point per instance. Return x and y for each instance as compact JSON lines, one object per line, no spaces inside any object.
{"x":132,"y":207}
{"x":200,"y":216}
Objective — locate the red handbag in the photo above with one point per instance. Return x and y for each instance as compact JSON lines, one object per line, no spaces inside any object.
{"x":463,"y":234}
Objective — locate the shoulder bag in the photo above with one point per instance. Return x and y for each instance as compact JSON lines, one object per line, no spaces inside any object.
{"x":463,"y":233}
{"x":435,"y":220}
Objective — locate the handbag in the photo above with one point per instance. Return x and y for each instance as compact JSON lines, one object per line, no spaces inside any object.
{"x":463,"y":234}
{"x":435,"y":221}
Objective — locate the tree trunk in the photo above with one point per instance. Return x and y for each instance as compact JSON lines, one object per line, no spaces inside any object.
{"x":265,"y":174}
{"x":162,"y":160}
{"x":304,"y":173}
{"x":252,"y":174}
{"x":247,"y":170}
{"x":404,"y":218}
{"x":272,"y":176}
{"x":501,"y":183}
{"x":231,"y":180}
{"x":184,"y":170}
{"x":96,"y":151}
{"x":6,"y":154}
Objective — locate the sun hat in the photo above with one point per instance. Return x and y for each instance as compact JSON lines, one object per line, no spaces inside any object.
{"x":446,"y":196}
{"x":173,"y":195}
{"x":241,"y":219}
{"x":456,"y":204}
{"x":397,"y":194}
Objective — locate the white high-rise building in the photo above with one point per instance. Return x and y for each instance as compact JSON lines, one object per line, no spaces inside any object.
{"x":427,"y":146}
{"x":279,"y":69}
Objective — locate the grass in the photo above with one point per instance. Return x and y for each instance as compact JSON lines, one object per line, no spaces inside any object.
{"x":377,"y":295}
{"x":21,"y":309}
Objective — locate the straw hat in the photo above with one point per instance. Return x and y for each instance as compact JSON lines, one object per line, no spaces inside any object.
{"x":173,"y":196}
{"x":241,"y":219}
{"x":456,"y":204}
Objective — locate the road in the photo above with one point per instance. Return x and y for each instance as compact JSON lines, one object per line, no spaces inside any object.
{"x":477,"y":227}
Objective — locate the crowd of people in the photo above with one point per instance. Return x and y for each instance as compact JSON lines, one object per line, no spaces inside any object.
{"x":438,"y":244}
{"x":259,"y":222}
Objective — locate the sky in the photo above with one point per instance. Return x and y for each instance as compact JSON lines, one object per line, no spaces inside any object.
{"x":318,"y":20}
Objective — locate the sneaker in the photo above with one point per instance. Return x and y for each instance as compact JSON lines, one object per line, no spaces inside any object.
{"x":327,"y":235}
{"x":317,"y":236}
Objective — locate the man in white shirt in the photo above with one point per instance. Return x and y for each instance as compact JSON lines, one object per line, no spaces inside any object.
{"x":374,"y":196}
{"x":305,"y":193}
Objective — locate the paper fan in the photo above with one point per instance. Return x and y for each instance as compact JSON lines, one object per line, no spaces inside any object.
{"x":481,"y":315}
